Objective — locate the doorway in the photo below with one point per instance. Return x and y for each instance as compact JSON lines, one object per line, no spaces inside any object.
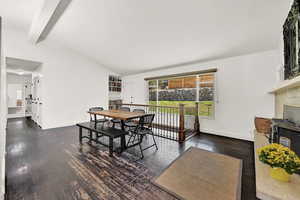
{"x":24,"y":89}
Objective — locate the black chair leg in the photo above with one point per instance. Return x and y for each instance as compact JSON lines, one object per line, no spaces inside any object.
{"x":133,"y":138}
{"x":90,"y":137}
{"x":154,"y":140}
{"x":128,"y":142}
{"x":111,"y":146}
{"x":80,"y":135}
{"x":141,"y":150}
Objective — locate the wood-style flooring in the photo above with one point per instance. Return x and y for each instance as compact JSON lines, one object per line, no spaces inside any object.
{"x":50,"y":164}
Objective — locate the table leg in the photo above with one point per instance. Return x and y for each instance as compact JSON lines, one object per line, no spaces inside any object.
{"x":95,"y":118}
{"x":123,"y":143}
{"x":123,"y":125}
{"x":111,"y":146}
{"x":80,"y":135}
{"x":123,"y":138}
{"x":91,"y":136}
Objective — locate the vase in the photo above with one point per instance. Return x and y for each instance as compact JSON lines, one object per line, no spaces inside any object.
{"x":279,"y":174}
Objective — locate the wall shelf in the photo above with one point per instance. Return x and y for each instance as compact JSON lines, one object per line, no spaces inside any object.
{"x":16,"y":107}
{"x":287,"y":84}
{"x":115,"y":83}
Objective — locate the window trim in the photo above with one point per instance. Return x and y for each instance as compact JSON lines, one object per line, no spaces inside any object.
{"x":194,"y":73}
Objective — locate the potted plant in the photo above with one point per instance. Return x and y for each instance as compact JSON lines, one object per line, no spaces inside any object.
{"x":283,"y":161}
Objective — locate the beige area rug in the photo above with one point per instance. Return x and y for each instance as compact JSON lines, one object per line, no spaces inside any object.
{"x":202,"y":175}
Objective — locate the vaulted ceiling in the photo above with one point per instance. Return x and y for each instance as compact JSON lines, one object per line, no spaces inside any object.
{"x":130,"y":36}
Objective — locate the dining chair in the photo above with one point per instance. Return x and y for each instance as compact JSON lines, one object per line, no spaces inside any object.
{"x":139,"y":110}
{"x":143,"y":128}
{"x":117,"y":121}
{"x":93,"y":118}
{"x":130,"y":124}
{"x":125,"y":109}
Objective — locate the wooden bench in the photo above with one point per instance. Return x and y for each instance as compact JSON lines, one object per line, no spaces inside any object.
{"x":100,"y":131}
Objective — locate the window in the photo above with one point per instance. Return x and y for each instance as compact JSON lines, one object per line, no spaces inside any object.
{"x":152,"y":92}
{"x":19,"y":95}
{"x":206,"y":94}
{"x":185,"y":90}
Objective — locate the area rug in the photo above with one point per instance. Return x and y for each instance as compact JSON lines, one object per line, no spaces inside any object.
{"x":200,"y":174}
{"x":121,"y":177}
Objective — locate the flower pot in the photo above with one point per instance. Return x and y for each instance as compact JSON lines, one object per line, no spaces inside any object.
{"x":279,"y":174}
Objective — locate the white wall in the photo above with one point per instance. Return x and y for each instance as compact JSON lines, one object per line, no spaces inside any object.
{"x":3,"y":111}
{"x":71,"y":83}
{"x":242,"y":91}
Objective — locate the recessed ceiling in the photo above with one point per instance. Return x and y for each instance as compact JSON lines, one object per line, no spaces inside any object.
{"x":130,"y":36}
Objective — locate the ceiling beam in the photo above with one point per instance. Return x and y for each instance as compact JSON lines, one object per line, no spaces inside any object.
{"x":46,"y":19}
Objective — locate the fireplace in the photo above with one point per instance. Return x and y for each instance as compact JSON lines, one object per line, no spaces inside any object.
{"x":286,"y":131}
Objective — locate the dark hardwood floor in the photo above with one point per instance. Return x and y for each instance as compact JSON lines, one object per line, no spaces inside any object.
{"x":37,"y":162}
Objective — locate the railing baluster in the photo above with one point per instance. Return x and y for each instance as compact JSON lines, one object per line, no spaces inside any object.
{"x":181,"y":123}
{"x":164,"y":118}
{"x":173,"y":120}
{"x":173,"y":124}
{"x":168,"y":125}
{"x":176,"y":123}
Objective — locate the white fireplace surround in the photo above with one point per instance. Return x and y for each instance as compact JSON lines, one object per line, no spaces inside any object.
{"x":286,"y":84}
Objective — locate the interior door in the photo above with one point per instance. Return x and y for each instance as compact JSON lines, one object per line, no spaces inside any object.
{"x":39,"y":101}
{"x":34,"y":100}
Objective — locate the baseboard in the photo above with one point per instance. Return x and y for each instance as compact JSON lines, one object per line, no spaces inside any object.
{"x":239,"y":136}
{"x":62,"y":125}
{"x":2,"y":162}
{"x":11,"y":116}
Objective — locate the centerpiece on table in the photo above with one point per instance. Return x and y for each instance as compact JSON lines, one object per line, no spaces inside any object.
{"x":283,"y":161}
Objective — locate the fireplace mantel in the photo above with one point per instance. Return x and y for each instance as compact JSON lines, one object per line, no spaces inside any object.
{"x":285,"y":85}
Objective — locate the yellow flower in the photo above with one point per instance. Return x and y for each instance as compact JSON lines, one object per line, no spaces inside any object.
{"x":278,"y":155}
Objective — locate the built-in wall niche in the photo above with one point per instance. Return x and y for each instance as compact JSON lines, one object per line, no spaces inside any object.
{"x":115,"y":89}
{"x":291,"y":37}
{"x":115,"y":83}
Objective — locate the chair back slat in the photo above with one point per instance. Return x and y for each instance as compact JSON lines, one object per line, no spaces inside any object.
{"x":125,"y":109}
{"x":139,"y":110}
{"x":94,"y":109}
{"x":146,"y":120}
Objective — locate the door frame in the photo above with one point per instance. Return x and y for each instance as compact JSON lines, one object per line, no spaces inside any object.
{"x":3,"y":115}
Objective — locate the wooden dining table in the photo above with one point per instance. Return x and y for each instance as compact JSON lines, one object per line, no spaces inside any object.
{"x":118,"y":114}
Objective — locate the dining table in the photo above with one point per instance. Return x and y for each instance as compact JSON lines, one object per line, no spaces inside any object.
{"x":123,"y":116}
